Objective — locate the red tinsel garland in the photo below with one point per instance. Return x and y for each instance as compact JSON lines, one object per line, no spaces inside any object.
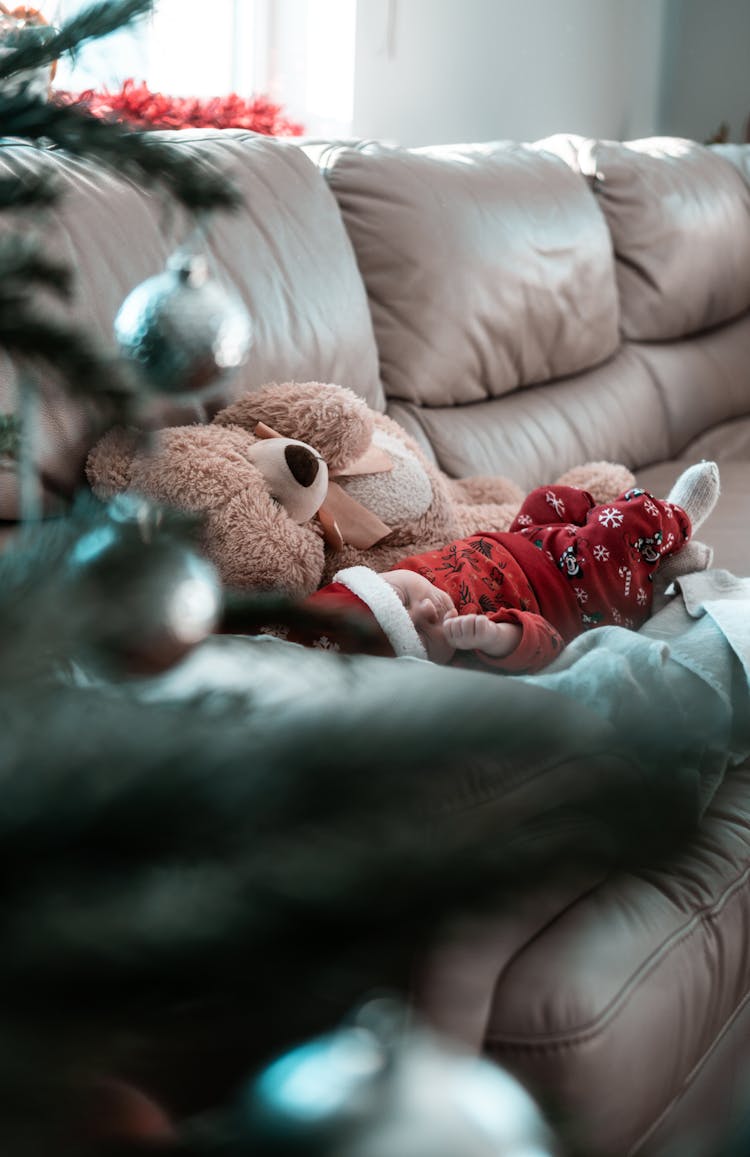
{"x":136,"y":104}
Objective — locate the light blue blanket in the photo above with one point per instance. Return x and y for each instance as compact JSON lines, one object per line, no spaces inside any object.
{"x":680,"y":685}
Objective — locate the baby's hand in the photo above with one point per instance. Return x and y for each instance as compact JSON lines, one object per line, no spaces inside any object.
{"x":478,"y":633}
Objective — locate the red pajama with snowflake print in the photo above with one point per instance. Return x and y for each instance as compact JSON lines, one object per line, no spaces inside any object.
{"x":564,"y":566}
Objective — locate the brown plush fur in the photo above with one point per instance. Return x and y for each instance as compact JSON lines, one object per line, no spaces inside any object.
{"x":332,"y":419}
{"x":485,"y":488}
{"x":253,"y":541}
{"x":203,"y":469}
{"x":304,"y":411}
{"x":603,"y":480}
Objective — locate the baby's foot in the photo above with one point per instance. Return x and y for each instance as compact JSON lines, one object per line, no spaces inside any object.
{"x":693,"y":556}
{"x":696,"y":491}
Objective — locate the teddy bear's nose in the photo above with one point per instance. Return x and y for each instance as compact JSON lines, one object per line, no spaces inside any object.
{"x":303,"y":464}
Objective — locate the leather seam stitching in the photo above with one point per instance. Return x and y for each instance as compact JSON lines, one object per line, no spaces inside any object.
{"x":694,"y":1072}
{"x":619,"y":1002}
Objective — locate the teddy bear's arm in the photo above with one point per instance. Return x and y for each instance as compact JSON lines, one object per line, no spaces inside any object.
{"x":604,"y":481}
{"x":485,"y":488}
{"x":256,"y":546}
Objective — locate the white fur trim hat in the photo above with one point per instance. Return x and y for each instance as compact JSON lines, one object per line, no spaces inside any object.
{"x":358,"y":588}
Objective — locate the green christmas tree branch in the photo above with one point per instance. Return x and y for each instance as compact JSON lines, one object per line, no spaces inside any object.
{"x":28,"y":190}
{"x":70,"y":352}
{"x":10,"y":436}
{"x":38,"y":46}
{"x":24,"y":265}
{"x":127,"y":151}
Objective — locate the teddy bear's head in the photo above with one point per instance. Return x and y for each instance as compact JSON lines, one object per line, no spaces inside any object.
{"x":256,"y":497}
{"x":386,"y":496}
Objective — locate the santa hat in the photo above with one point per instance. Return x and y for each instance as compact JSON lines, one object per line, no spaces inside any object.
{"x":362,"y":591}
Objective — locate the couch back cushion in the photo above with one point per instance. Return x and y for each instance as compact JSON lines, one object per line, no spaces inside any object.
{"x":679,"y":215}
{"x":285,"y":251}
{"x":487,"y":267}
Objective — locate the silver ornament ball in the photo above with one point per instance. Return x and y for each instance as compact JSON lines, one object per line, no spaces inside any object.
{"x":147,"y":603}
{"x":184,"y":330}
{"x":374,"y":1090}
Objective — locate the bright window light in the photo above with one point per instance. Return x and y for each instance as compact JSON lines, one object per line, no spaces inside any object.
{"x":298,"y":52}
{"x":192,"y":48}
{"x":330,"y":65}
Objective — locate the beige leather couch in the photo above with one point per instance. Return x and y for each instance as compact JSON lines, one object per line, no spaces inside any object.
{"x":519,"y":309}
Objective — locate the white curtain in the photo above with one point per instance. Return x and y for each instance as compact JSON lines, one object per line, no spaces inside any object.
{"x":298,"y":52}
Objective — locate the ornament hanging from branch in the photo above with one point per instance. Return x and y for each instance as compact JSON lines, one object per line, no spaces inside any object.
{"x":183,"y":329}
{"x":145,"y":597}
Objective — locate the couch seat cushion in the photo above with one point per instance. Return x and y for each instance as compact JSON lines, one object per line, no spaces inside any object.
{"x":655,"y":955}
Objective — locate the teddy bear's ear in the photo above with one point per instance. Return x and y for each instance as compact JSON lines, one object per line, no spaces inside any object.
{"x":331,"y":418}
{"x":109,"y":465}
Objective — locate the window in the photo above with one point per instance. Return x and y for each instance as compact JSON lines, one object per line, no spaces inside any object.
{"x":298,"y":52}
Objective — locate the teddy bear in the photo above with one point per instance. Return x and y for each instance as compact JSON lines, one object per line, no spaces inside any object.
{"x":366,"y":493}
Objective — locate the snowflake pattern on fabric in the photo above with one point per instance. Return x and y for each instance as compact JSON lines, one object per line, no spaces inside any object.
{"x":608,"y":516}
{"x":555,"y":502}
{"x":608,"y":553}
{"x":326,"y":644}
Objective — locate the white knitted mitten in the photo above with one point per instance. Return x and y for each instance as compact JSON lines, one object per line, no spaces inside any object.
{"x":696,"y":491}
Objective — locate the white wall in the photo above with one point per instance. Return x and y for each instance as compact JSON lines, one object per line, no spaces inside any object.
{"x":432,"y":71}
{"x":707,"y":67}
